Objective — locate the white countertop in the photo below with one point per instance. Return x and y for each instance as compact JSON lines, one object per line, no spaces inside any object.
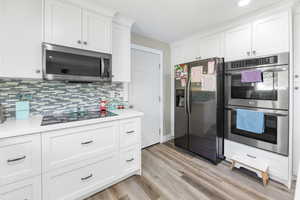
{"x":12,"y":128}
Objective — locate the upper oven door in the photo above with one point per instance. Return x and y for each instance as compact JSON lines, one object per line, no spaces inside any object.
{"x":272,"y":92}
{"x":64,"y":63}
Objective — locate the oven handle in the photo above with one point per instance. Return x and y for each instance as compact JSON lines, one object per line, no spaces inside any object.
{"x":269,"y":112}
{"x":265,"y":69}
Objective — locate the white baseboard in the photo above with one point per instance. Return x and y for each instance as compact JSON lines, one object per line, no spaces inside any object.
{"x":167,"y":138}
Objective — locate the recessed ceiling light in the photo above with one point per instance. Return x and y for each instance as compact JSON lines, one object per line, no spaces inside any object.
{"x":243,"y":3}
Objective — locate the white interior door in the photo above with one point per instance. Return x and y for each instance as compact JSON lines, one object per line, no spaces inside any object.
{"x":144,"y":93}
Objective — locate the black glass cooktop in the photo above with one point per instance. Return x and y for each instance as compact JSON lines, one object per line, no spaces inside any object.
{"x":75,"y":116}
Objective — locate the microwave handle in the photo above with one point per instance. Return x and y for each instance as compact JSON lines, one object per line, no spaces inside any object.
{"x":270,"y":113}
{"x":102,"y":67}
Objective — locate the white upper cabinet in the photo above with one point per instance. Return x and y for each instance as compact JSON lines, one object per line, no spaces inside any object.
{"x":75,"y":26}
{"x":63,"y":23}
{"x":271,"y":35}
{"x":21,"y":38}
{"x":177,"y":55}
{"x":262,"y":37}
{"x":211,"y":46}
{"x":238,"y":42}
{"x":121,"y":48}
{"x":97,"y":32}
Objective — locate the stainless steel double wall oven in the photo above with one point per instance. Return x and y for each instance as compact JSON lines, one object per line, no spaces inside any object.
{"x":271,"y":96}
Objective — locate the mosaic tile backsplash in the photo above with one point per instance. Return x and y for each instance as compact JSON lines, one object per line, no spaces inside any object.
{"x":54,"y":97}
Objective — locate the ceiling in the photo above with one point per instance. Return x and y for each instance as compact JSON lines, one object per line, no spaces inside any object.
{"x":170,"y":20}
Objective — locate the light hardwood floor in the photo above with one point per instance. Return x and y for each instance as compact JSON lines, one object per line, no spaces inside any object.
{"x":171,"y":174}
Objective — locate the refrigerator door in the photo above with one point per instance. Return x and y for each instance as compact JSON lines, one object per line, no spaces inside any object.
{"x":205,"y":86}
{"x":181,"y":115}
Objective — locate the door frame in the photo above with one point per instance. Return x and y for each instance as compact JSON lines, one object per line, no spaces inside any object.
{"x":160,"y":53}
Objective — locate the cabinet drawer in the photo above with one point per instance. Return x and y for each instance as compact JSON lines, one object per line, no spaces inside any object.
{"x":130,"y":132}
{"x":87,"y":177}
{"x":20,"y":158}
{"x":69,"y":146}
{"x":278,"y":165}
{"x":129,"y":160}
{"x":29,"y":189}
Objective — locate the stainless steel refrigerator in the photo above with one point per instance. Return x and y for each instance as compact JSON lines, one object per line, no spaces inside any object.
{"x":199,"y":108}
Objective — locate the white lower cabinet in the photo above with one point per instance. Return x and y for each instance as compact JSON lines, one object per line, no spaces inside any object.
{"x":29,"y":189}
{"x":278,"y":164}
{"x":82,"y":143}
{"x":129,"y":160}
{"x":20,"y":158}
{"x":76,"y":182}
{"x":71,"y":163}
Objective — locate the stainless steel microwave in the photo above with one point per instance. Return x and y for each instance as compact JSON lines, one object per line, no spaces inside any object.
{"x":71,"y":64}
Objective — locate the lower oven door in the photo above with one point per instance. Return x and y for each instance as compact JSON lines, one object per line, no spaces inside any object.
{"x":275,"y":137}
{"x":272,"y":92}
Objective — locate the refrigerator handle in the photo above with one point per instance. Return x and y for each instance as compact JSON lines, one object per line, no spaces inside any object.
{"x":185,"y":99}
{"x":188,"y":96}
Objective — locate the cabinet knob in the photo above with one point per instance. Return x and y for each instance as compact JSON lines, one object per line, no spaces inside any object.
{"x":296,"y":76}
{"x":85,"y":42}
{"x":79,"y":41}
{"x":248,"y":53}
{"x":38,"y":71}
{"x":254,"y":52}
{"x":296,"y":88}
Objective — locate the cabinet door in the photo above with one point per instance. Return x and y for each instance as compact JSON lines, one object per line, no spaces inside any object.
{"x":20,"y":158}
{"x":87,"y":142}
{"x":177,"y":56}
{"x":81,"y":179}
{"x":121,"y":49}
{"x":211,"y":47}
{"x":63,"y":23}
{"x":238,"y":43}
{"x":271,"y":35}
{"x":97,"y":32}
{"x":21,"y":38}
{"x":29,"y":189}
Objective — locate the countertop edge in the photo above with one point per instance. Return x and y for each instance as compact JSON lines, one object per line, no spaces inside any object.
{"x":37,"y":129}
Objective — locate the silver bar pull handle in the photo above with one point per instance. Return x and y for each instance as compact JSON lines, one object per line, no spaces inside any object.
{"x":250,"y":156}
{"x":130,"y":132}
{"x":130,"y":160}
{"x":16,"y":159}
{"x":87,"y":177}
{"x":87,"y":142}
